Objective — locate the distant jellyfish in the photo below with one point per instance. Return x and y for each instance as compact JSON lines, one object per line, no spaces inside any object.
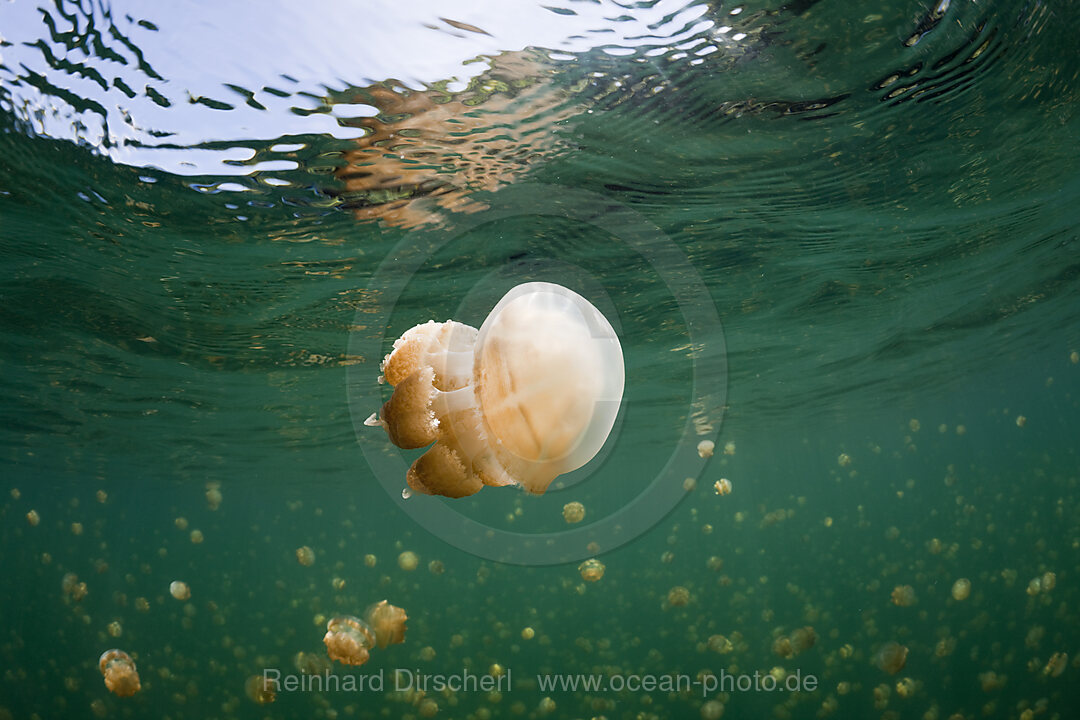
{"x":678,"y":596}
{"x":310,"y":663}
{"x":305,"y":556}
{"x":722,"y":486}
{"x":213,"y":495}
{"x":408,"y":561}
{"x":532,"y":395}
{"x":591,"y":570}
{"x":961,"y":589}
{"x":802,"y":639}
{"x":179,"y":590}
{"x":33,"y":518}
{"x":712,"y":710}
{"x":260,"y":689}
{"x":348,"y":639}
{"x":388,"y":622}
{"x":118,"y":668}
{"x":782,"y":647}
{"x":903,"y":596}
{"x":573,"y":512}
{"x":891,"y":657}
{"x":1056,"y":665}
{"x":705,"y":448}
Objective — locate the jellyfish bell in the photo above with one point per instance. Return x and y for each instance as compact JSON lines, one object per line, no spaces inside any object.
{"x":388,"y":622}
{"x":891,"y":657}
{"x":260,"y":689}
{"x":348,"y":639}
{"x":119,"y":672}
{"x":529,"y":396}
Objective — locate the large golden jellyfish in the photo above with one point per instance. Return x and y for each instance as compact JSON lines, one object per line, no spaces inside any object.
{"x":348,"y":639}
{"x":118,"y":668}
{"x":388,"y":622}
{"x":529,"y":396}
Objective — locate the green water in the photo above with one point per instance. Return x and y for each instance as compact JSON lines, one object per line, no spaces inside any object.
{"x":867,"y":296}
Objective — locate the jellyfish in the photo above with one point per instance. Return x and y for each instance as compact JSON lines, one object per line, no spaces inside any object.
{"x":903,"y":596}
{"x":305,"y":556}
{"x":678,"y":596}
{"x":260,"y":689}
{"x":591,"y":570}
{"x":348,"y":639}
{"x":388,"y":621}
{"x":310,"y":663}
{"x":891,"y":657}
{"x":179,"y":590}
{"x":961,"y":589}
{"x":118,"y":668}
{"x":802,"y":639}
{"x":573,"y":512}
{"x":529,"y":396}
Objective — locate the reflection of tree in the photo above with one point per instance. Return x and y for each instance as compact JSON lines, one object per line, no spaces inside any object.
{"x":427,"y":150}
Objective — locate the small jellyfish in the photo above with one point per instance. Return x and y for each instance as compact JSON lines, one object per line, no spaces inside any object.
{"x":388,"y":622}
{"x":705,"y":448}
{"x":179,"y":590}
{"x":531,"y":395}
{"x":678,"y":596}
{"x":1056,"y":665}
{"x":213,"y":495}
{"x":310,"y":663}
{"x":961,"y":589}
{"x":591,"y":570}
{"x":33,"y":518}
{"x":712,"y":710}
{"x":408,"y":561}
{"x":722,"y":486}
{"x":305,"y":556}
{"x":573,"y":512}
{"x":782,"y":647}
{"x":527,"y":633}
{"x":348,"y":639}
{"x":903,"y":596}
{"x":260,"y":689}
{"x":803,"y":639}
{"x":891,"y":657}
{"x":118,"y":668}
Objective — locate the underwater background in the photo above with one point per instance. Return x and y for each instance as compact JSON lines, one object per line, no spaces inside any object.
{"x":838,"y":241}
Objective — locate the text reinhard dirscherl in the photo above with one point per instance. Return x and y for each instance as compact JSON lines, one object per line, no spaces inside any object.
{"x":406,"y":679}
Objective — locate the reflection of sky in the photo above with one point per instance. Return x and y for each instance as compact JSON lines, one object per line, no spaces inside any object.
{"x":281,"y":60}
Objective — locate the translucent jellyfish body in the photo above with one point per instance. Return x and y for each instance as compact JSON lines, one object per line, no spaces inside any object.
{"x":348,"y":639}
{"x":388,"y":622}
{"x":118,"y":668}
{"x":529,"y":396}
{"x":891,"y":657}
